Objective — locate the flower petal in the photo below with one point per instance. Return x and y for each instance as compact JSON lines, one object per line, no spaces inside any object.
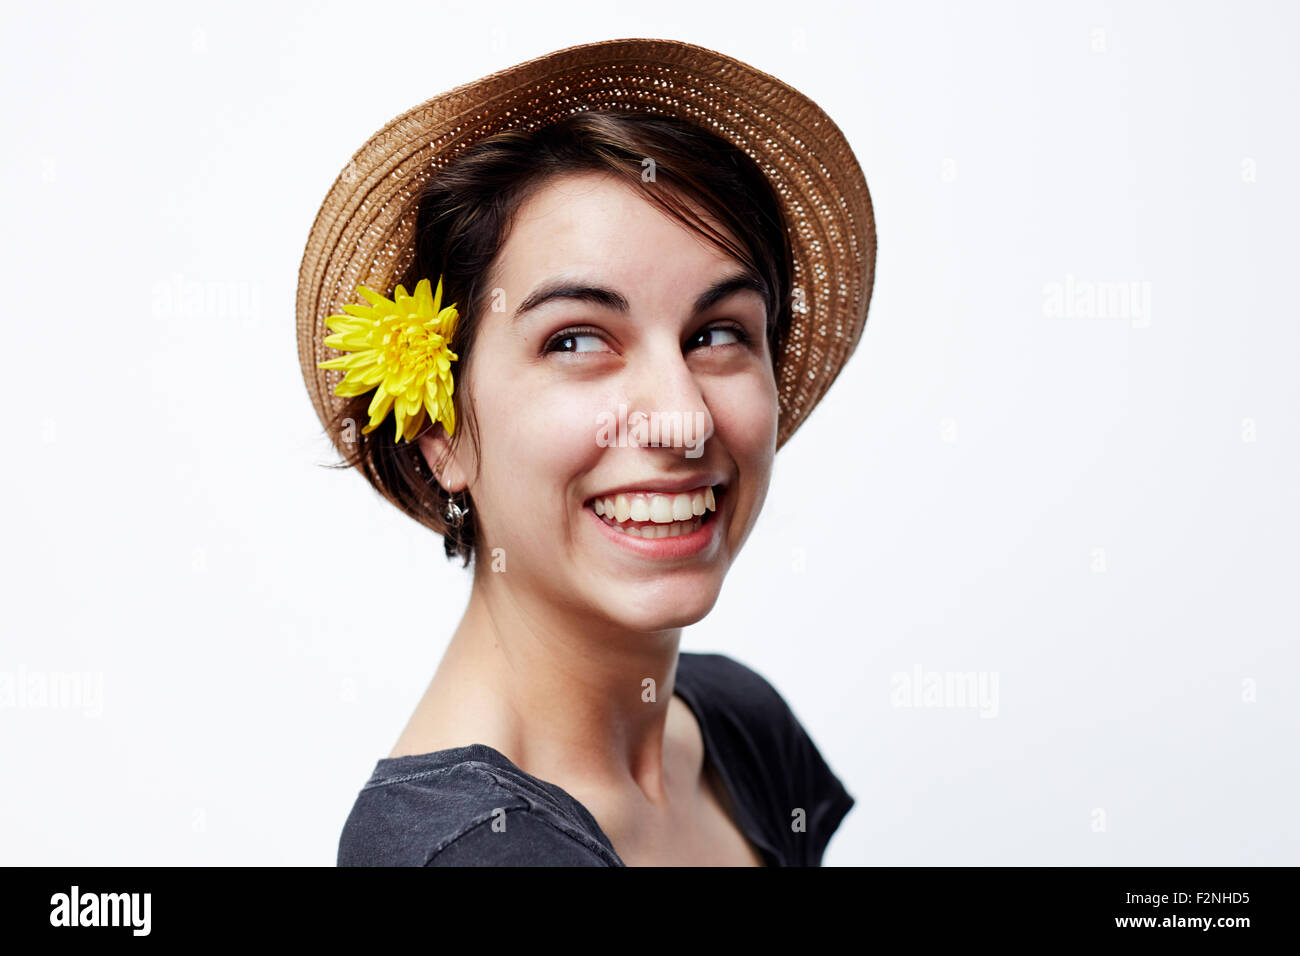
{"x":355,"y":360}
{"x":349,"y":340}
{"x":371,"y":376}
{"x":379,"y":405}
{"x":414,"y":425}
{"x":424,"y":300}
{"x":401,"y":380}
{"x":362,"y":313}
{"x":371,"y":296}
{"x":447,"y":321}
{"x":350,"y":387}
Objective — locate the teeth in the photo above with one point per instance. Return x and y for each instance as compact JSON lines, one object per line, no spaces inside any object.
{"x":663,"y":510}
{"x":663,"y":530}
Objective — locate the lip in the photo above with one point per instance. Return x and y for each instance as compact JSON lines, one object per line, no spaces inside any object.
{"x":682,"y":546}
{"x":664,"y":486}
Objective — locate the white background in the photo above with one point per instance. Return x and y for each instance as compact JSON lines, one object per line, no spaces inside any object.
{"x":1098,"y":512}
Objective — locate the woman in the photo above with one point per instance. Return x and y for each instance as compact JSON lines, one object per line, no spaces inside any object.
{"x":626,"y":349}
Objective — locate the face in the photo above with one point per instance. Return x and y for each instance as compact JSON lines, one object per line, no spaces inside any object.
{"x":569,"y":390}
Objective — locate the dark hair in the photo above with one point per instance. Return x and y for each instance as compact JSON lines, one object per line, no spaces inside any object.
{"x":464,"y":217}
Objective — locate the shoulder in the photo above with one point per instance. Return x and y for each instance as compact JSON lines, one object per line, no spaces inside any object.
{"x":444,"y":810}
{"x":517,"y":837}
{"x":723,"y":683}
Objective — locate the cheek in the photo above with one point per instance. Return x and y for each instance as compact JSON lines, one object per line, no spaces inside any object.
{"x":745,"y":415}
{"x":536,"y":436}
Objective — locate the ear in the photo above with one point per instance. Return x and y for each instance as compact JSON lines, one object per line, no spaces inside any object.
{"x":435,"y":446}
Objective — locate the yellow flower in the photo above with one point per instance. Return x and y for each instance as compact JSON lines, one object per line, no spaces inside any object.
{"x":399,"y":345}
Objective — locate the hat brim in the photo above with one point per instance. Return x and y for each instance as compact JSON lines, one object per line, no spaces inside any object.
{"x":363,"y":233}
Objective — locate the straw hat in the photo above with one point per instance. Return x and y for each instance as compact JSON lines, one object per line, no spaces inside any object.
{"x":364,"y":231}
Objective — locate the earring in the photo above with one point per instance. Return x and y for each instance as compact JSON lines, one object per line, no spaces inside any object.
{"x":455,"y":513}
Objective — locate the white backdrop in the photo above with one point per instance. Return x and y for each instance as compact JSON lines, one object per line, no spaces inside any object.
{"x":1063,"y":461}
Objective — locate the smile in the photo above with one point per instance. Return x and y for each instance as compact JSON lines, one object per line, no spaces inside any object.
{"x":652,"y":514}
{"x":659,"y":524}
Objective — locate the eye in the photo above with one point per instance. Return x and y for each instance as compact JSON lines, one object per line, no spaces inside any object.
{"x":569,"y":340}
{"x":716,"y":336}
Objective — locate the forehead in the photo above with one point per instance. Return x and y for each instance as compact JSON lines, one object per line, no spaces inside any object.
{"x":595,"y":222}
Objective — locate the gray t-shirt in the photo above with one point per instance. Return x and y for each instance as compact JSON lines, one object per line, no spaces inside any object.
{"x":447,"y":808}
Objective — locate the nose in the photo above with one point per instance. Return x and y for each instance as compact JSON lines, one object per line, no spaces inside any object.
{"x":665,"y":397}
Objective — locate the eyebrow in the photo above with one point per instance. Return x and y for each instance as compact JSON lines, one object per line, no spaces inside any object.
{"x":613,"y":300}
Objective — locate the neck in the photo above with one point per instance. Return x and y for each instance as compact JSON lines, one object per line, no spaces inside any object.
{"x":565,"y":694}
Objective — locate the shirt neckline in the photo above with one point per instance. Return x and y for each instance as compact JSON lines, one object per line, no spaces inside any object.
{"x":391,"y":767}
{"x":746,"y":823}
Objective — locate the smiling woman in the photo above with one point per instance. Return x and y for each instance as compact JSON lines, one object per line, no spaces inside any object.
{"x":600,"y":258}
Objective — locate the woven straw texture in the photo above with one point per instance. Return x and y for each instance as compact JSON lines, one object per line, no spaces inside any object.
{"x":363,"y":232}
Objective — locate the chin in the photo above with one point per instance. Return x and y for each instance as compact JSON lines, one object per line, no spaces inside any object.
{"x":665,"y":608}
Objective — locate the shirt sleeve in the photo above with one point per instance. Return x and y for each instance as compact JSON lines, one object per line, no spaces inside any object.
{"x":523,"y":839}
{"x":828,"y":802}
{"x":778,"y":769}
{"x":461,"y":817}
